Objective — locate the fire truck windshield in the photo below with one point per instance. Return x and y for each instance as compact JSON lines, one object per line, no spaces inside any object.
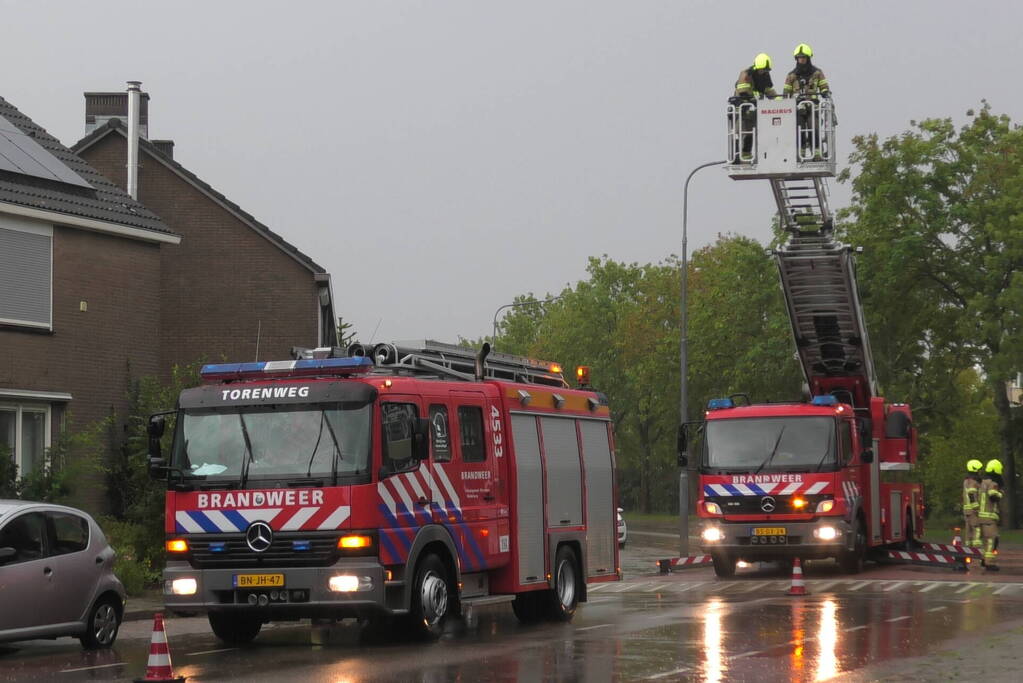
{"x":286,"y":441}
{"x":770,"y":444}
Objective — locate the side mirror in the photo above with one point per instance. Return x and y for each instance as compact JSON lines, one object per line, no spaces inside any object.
{"x":7,"y":554}
{"x":682,"y":446}
{"x":157,"y":466}
{"x":867,"y":456}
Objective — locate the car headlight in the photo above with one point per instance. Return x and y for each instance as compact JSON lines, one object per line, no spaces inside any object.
{"x":826,"y":506}
{"x":712,"y":508}
{"x":826,"y":533}
{"x":346,"y":583}
{"x":712,"y":534}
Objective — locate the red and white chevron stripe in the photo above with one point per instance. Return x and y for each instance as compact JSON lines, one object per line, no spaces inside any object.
{"x":408,"y":488}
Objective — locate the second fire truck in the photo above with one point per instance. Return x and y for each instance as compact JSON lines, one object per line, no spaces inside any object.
{"x":829,"y":477}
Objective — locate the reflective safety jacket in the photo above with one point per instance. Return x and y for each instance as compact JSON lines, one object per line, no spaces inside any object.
{"x":971,"y":498}
{"x":990,"y":496}
{"x":746,"y":85}
{"x":816,"y":84}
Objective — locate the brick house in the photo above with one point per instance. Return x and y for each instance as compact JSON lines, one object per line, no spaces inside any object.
{"x":79,"y":291}
{"x":232,"y":288}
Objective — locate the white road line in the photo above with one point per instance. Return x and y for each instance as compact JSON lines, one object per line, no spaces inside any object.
{"x":932,"y":586}
{"x":894,"y":586}
{"x":824,"y":586}
{"x":87,"y":668}
{"x":660,"y":587}
{"x":756,"y":586}
{"x":903,"y":617}
{"x":209,"y":652}
{"x":937,"y":609}
{"x":599,"y":600}
{"x":668,"y":673}
{"x":751,"y":653}
{"x":598,"y":587}
{"x":966,"y":588}
{"x":691,"y":586}
{"x":1003,"y":589}
{"x":856,"y":628}
{"x":857,"y":586}
{"x":590,"y":628}
{"x":622,"y":587}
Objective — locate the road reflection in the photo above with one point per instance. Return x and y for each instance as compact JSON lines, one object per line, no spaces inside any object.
{"x":714,"y":664}
{"x":827,"y":641}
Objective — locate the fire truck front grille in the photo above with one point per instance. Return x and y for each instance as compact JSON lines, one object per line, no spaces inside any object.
{"x":754,"y":505}
{"x":288,"y":549}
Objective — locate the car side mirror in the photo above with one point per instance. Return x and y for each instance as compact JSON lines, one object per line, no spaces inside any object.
{"x":157,"y":425}
{"x":682,"y":445}
{"x":867,"y":456}
{"x":7,"y":554}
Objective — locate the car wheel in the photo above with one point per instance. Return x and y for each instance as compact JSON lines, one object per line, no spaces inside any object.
{"x":102,"y":625}
{"x":235,"y":629}
{"x":527,"y":607}
{"x":724,"y":565}
{"x":433,"y":599}
{"x":563,"y":597}
{"x":851,"y":562}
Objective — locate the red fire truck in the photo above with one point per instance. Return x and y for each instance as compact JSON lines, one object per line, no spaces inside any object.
{"x":411,"y":481}
{"x":829,"y":477}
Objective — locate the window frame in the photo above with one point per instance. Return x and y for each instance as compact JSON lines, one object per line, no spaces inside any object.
{"x":18,"y":224}
{"x":20,"y":409}
{"x":51,"y":529}
{"x":46,"y":550}
{"x":386,"y":462}
{"x":475,"y":410}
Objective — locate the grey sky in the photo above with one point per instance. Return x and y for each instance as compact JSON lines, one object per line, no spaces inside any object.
{"x":439,"y":158}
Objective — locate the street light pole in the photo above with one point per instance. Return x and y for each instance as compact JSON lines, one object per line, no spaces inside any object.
{"x":533,"y":302}
{"x":683,"y":477}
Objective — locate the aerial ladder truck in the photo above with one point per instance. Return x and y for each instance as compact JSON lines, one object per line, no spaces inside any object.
{"x":829,"y":476}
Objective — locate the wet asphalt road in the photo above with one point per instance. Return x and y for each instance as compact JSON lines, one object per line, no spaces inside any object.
{"x":687,"y":626}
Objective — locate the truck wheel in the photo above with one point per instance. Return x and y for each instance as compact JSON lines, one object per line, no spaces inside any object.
{"x":724,"y":565}
{"x":235,"y":629}
{"x":433,"y":598}
{"x":851,"y":561}
{"x":563,"y":597}
{"x":527,"y":607}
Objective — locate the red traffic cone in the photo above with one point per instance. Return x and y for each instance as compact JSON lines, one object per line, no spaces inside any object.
{"x":159,"y":669}
{"x":956,"y":539}
{"x":798,"y":587}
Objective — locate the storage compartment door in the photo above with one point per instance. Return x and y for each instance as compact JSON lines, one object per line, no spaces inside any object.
{"x":601,"y":517}
{"x":528,"y":499}
{"x":564,"y":479}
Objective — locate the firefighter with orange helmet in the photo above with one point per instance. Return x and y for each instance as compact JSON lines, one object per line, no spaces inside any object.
{"x":990,"y":495}
{"x":971,"y":502}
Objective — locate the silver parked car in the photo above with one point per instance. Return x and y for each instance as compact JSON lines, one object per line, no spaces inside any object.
{"x":623,"y":530}
{"x":56,"y":576}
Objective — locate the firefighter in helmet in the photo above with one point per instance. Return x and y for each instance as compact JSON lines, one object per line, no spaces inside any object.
{"x":971,"y":501}
{"x":807,"y":84}
{"x":805,"y":80}
{"x":990,"y":495}
{"x":754,"y":83}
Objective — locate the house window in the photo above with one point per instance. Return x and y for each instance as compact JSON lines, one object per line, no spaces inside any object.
{"x":26,"y":273}
{"x":25,"y":434}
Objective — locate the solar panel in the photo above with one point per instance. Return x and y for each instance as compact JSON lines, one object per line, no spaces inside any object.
{"x":21,"y":154}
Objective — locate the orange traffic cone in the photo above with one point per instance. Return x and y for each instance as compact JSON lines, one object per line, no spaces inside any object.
{"x":798,"y":587}
{"x":158,"y":669}
{"x":956,"y":539}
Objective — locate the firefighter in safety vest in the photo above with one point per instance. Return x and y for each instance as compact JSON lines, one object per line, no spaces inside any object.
{"x":807,"y":83}
{"x":754,"y":83}
{"x":990,"y":496}
{"x":971,"y":502}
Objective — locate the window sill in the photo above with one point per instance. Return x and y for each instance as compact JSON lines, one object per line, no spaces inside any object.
{"x":29,"y":329}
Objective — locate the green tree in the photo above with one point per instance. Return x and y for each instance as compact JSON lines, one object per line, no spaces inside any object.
{"x":939,"y":211}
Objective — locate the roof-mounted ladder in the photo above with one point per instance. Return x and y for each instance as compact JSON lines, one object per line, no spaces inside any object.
{"x":802,"y":203}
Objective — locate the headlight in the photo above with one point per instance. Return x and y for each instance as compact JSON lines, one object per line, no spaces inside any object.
{"x":346,"y":583}
{"x":712,"y":508}
{"x":712,"y":534}
{"x":826,"y":506}
{"x":826,"y":533}
{"x":186,"y":586}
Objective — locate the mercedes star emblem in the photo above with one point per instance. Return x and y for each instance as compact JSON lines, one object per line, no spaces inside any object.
{"x":766,"y":504}
{"x":259,"y":536}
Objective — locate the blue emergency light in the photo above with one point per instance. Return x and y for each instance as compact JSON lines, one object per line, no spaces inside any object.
{"x":301,"y":545}
{"x":824,"y":400}
{"x":720,"y":403}
{"x":291,"y":368}
{"x":218,"y":547}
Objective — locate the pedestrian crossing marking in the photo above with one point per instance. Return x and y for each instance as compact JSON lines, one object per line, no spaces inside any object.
{"x":741,"y":587}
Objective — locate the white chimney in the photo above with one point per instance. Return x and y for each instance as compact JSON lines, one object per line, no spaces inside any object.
{"x":134,"y":98}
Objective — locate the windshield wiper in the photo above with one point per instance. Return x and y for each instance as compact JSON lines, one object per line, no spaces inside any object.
{"x":774,"y":451}
{"x":827,"y":452}
{"x":337,"y":452}
{"x":248,"y":451}
{"x":316,"y":446}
